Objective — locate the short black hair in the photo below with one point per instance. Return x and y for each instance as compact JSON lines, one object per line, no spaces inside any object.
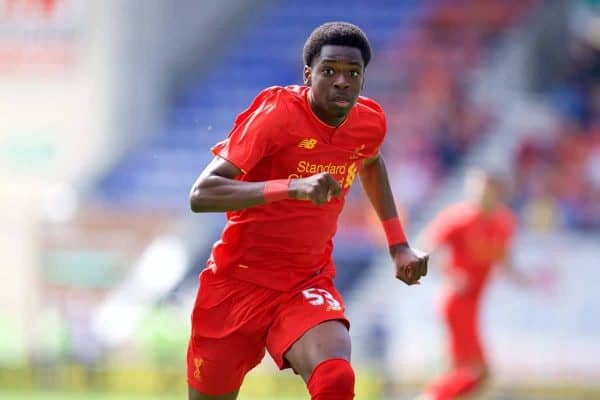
{"x":336,"y":33}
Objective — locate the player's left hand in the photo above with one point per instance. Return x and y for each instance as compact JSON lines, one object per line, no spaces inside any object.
{"x":411,"y":264}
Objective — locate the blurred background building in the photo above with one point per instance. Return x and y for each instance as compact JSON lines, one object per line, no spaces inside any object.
{"x":107,"y":113}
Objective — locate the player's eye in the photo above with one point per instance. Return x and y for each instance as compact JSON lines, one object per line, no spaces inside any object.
{"x":354,"y":74}
{"x":327,"y":71}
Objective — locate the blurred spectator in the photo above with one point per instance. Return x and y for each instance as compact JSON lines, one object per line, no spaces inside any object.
{"x":558,"y":172}
{"x":433,"y":121}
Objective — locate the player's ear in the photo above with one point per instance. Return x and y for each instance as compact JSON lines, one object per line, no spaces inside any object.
{"x":307,"y":75}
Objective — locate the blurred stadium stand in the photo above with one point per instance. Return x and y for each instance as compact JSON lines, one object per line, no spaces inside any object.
{"x":558,"y":180}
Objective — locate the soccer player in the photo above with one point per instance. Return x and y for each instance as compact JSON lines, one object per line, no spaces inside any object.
{"x":282,"y":175}
{"x":478,"y":234}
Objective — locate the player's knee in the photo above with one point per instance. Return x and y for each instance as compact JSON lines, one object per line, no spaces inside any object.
{"x":479,"y":376}
{"x":332,"y":380}
{"x":483,"y":375}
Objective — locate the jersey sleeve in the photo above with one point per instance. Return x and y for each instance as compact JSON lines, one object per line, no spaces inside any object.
{"x":509,"y":226}
{"x":383,"y":131}
{"x":256,"y":132}
{"x":378,"y":119}
{"x":445,"y":227}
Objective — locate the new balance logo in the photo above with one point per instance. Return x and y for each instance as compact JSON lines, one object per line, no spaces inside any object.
{"x":307,"y":143}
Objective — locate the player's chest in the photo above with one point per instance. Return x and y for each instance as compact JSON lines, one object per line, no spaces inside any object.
{"x":484,"y":242}
{"x":309,"y":155}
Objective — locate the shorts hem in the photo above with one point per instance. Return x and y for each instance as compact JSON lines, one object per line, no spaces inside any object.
{"x":194,"y":385}
{"x":283,"y":363}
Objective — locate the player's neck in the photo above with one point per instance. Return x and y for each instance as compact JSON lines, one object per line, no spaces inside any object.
{"x":488,"y":207}
{"x":325,"y":117}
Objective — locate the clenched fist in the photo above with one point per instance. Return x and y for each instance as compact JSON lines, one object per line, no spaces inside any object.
{"x":319,"y":188}
{"x":411,"y":264}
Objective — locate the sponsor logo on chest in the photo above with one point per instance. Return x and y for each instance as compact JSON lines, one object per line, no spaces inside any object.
{"x":344,"y":173}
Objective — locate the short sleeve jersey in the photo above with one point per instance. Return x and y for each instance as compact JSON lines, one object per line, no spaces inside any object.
{"x":477,"y":240}
{"x":280,"y":244}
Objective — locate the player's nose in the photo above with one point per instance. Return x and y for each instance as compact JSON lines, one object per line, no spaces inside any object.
{"x":341,"y":83}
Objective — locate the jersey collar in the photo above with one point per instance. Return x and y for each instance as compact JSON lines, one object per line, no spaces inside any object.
{"x":321,"y":122}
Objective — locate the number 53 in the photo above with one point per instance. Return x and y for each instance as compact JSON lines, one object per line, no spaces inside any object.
{"x":317,"y":297}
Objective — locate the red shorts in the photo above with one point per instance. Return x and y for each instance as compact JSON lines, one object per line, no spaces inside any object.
{"x":461,"y":315}
{"x":234,"y":321}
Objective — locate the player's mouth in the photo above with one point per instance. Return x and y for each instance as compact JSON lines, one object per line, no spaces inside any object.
{"x":342,"y":101}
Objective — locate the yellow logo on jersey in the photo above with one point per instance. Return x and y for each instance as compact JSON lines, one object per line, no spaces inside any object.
{"x":197,"y":364}
{"x":314,"y":168}
{"x":352,"y":170}
{"x":308,"y":143}
{"x":344,"y":173}
{"x":357,"y":153}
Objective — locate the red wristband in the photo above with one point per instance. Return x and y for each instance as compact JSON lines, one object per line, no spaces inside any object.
{"x":276,"y":190}
{"x":393,"y":231}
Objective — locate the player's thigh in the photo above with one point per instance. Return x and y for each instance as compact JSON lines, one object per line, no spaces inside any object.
{"x":310,"y":327}
{"x":461,"y":319}
{"x":230,"y":321}
{"x":465,"y":345}
{"x":193,"y":394}
{"x":325,"y":341}
{"x":217,"y":367}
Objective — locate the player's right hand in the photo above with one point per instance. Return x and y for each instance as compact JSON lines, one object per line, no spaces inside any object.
{"x":319,"y":188}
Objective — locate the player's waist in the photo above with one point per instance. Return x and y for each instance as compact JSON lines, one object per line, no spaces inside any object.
{"x":275,"y":276}
{"x":277,"y":240}
{"x":273,"y":256}
{"x":304,"y":219}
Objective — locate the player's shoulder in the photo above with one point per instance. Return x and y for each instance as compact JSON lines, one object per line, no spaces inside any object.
{"x":273,"y":94}
{"x":369,"y":105}
{"x":283,"y":101}
{"x":371,"y":109}
{"x":275,"y":103}
{"x":462,"y":209}
{"x":459,"y":213}
{"x":283,"y":94}
{"x":507,"y":217}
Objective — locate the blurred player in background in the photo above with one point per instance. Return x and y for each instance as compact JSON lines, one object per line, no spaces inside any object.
{"x":478,"y":234}
{"x":281,"y":176}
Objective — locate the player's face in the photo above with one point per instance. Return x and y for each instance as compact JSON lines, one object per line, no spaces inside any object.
{"x":487,"y":190}
{"x":336,"y":77}
{"x":491,"y":195}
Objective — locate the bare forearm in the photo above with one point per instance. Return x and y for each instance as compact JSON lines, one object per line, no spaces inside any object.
{"x":217,"y":194}
{"x":411,"y":264}
{"x":374,"y":180}
{"x":512,"y":272}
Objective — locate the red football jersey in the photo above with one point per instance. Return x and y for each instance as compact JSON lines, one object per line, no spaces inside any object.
{"x":278,"y":245}
{"x":476,"y":239}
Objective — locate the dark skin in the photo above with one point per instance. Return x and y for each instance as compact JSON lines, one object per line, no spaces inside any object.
{"x":336,"y":77}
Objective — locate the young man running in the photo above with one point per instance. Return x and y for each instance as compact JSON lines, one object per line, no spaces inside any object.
{"x":282,"y":175}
